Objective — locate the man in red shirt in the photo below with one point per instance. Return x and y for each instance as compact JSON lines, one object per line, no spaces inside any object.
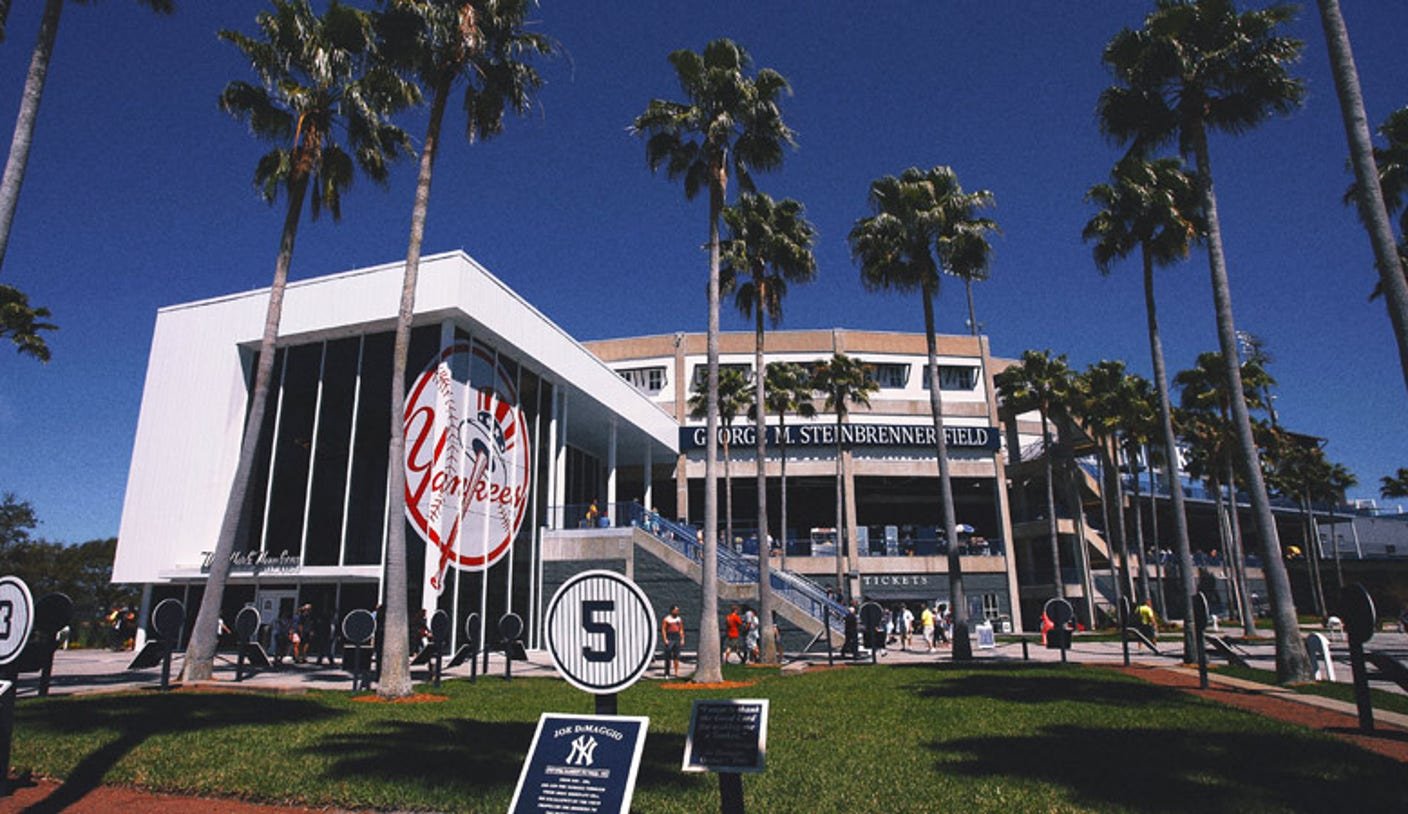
{"x":734,"y":644}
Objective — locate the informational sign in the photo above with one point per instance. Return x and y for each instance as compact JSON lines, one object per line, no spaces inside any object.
{"x":467,"y":456}
{"x":729,"y":735}
{"x":584,"y":764}
{"x":600,"y":631}
{"x":16,"y":617}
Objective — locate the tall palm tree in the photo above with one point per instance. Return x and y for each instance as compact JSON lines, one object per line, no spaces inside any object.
{"x":21,"y":323}
{"x":1198,"y":65}
{"x":769,"y":245}
{"x":730,"y":123}
{"x":1041,"y":382}
{"x":1098,"y":400}
{"x":1372,"y":209}
{"x":845,"y":381}
{"x":923,"y":223}
{"x":1392,"y":163}
{"x":789,"y":390}
{"x":1297,"y":467}
{"x":34,"y":80}
{"x":734,"y":396}
{"x":479,"y":44}
{"x":1137,"y":420}
{"x":1152,"y":206}
{"x":1207,"y":440}
{"x":1203,"y":389}
{"x":318,"y":78}
{"x":1336,"y":482}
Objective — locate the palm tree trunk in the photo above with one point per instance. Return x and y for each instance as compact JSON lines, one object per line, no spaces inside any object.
{"x":15,"y":165}
{"x":1159,"y":571}
{"x":1312,"y":553}
{"x":1051,"y":525}
{"x":768,"y":643}
{"x":1105,"y":521}
{"x":1175,"y":485}
{"x":709,"y":667}
{"x":4,"y":17}
{"x":782,"y":463}
{"x":200,"y":651}
{"x":1334,"y":541}
{"x":1292,"y":661}
{"x":395,"y":680}
{"x":958,"y":600}
{"x":1239,"y":552}
{"x":1144,"y":594}
{"x":1366,"y":176}
{"x":842,"y":589}
{"x":728,"y":487}
{"x":1119,"y":519}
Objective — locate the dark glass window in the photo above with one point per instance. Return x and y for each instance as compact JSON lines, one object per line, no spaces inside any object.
{"x":330,"y":454}
{"x":251,"y":526}
{"x":293,"y":442}
{"x":366,"y":506}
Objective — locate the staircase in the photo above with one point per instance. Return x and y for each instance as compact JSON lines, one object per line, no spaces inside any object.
{"x":801,"y":601}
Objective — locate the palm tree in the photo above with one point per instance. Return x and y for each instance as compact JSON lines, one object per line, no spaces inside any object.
{"x":481,"y":44}
{"x":731,"y":122}
{"x":21,"y":323}
{"x":1198,"y":65}
{"x":1098,"y":401}
{"x":789,"y":390}
{"x":1152,"y":206}
{"x":1137,"y":420}
{"x":1041,"y":382}
{"x":1207,"y":437}
{"x":1372,"y":209}
{"x":23,"y":137}
{"x":845,"y":381}
{"x":1203,"y":388}
{"x":923,"y":223}
{"x":1297,"y":469}
{"x":1395,"y":485}
{"x":1336,"y":482}
{"x":734,"y":396}
{"x":769,"y":246}
{"x":317,"y":77}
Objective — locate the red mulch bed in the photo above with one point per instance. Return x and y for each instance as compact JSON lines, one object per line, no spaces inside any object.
{"x":694,"y":685}
{"x":1386,"y":739}
{"x":108,"y":799}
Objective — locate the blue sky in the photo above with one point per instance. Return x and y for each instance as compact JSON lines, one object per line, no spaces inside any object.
{"x":139,"y":196}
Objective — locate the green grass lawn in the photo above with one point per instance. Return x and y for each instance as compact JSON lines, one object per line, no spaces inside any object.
{"x":1006,"y":738}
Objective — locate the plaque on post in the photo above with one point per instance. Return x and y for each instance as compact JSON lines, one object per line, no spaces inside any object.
{"x":727,"y":735}
{"x":510,"y":628}
{"x":1062,"y":617}
{"x":358,"y":628}
{"x":16,"y":606}
{"x":872,"y":628}
{"x":1360,"y":622}
{"x":600,"y":630}
{"x":581,"y":763}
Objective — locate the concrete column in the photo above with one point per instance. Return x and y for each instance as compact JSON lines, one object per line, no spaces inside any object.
{"x":559,"y":456}
{"x":647,"y":498}
{"x":611,"y":509}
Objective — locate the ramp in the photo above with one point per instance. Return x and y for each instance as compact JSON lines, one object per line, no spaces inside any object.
{"x":1225,"y":649}
{"x":1389,"y":668}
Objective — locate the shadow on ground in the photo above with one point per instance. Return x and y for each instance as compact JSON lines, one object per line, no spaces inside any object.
{"x":1014,"y":683}
{"x":141,"y":716}
{"x":1151,"y":769}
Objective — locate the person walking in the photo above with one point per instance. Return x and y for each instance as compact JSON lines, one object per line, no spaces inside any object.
{"x":672,"y":632}
{"x":732,"y":643}
{"x":926,"y":621}
{"x":904,"y":621}
{"x":1148,"y":621}
{"x":752,"y":634}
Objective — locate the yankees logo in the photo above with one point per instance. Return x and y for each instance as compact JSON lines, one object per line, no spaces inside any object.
{"x":467,"y":454}
{"x":582,"y":749}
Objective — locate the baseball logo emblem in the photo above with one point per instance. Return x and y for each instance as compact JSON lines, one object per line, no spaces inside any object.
{"x":467,"y":460}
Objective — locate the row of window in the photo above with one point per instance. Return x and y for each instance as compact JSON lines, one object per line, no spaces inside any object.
{"x":887,"y":375}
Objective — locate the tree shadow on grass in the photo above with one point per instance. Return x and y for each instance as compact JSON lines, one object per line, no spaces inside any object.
{"x":1160,"y":769}
{"x":469,"y":759}
{"x":1022,"y":685}
{"x":136,"y":717}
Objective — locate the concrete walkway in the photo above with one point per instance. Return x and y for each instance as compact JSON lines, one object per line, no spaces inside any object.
{"x":90,"y":671}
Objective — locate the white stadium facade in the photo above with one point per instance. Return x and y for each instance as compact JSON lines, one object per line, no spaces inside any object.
{"x":532,"y":456}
